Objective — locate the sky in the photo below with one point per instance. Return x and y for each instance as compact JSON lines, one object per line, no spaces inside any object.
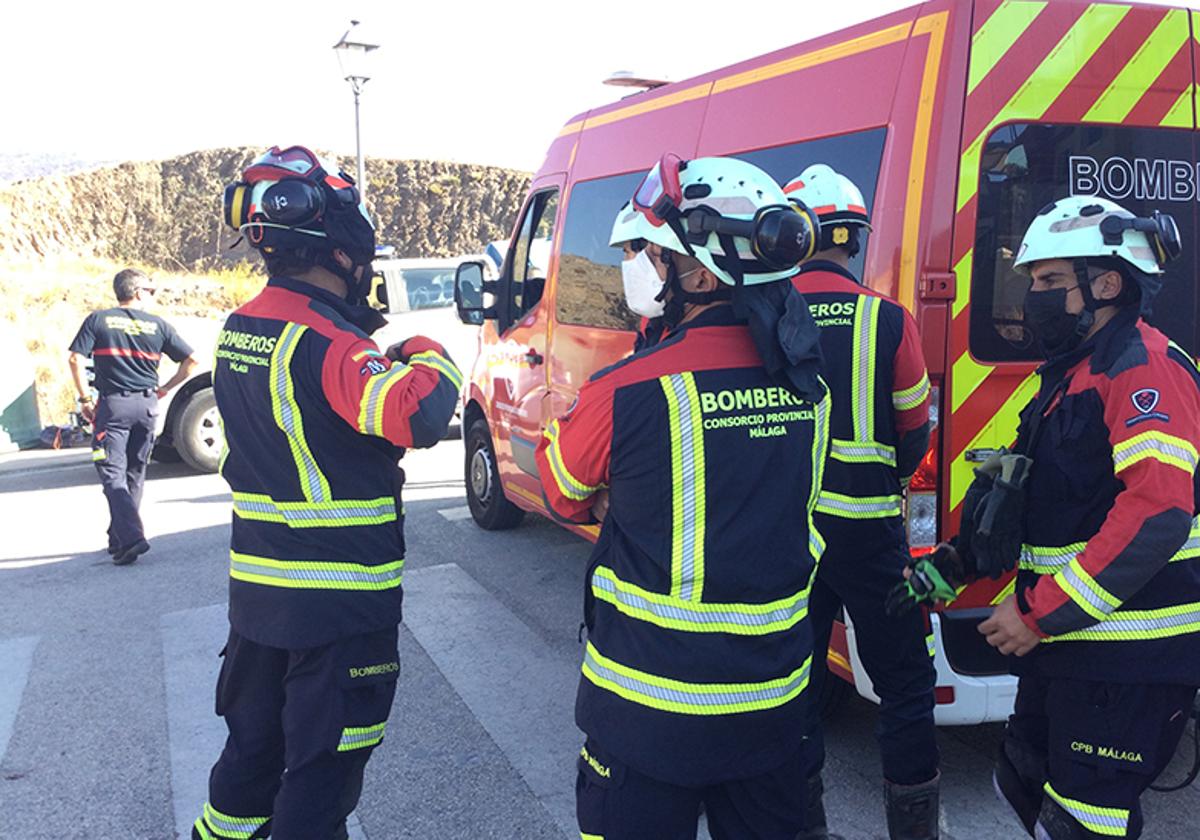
{"x":476,"y":82}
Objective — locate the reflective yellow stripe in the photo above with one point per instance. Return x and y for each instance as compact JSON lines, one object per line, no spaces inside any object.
{"x":226,"y":826}
{"x":99,"y":454}
{"x":343,"y":512}
{"x":1164,"y":448}
{"x":1082,"y":589}
{"x":687,"y":485}
{"x":1111,"y":822}
{"x":1050,"y":560}
{"x":820,"y":448}
{"x":287,"y":414}
{"x":568,"y":485}
{"x":440,"y":363}
{"x":1147,"y":64}
{"x":910,"y":398}
{"x":583,"y":835}
{"x":858,"y":507}
{"x":692,"y":698}
{"x":202,"y":830}
{"x":931,"y":645}
{"x":997,"y":35}
{"x":314,"y":574}
{"x":358,"y":737}
{"x":862,"y":376}
{"x":857,"y":452}
{"x":1135,"y":625}
{"x":698,"y":616}
{"x":374,"y":399}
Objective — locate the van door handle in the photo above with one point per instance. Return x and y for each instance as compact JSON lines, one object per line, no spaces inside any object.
{"x":534,"y":357}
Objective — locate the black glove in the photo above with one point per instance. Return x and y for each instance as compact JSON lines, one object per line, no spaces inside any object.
{"x":997,"y":522}
{"x":934,"y":577}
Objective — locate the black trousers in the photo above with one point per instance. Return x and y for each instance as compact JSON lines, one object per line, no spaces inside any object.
{"x":894,"y":650}
{"x":122,"y":440}
{"x":302,"y":725}
{"x":1094,"y":747}
{"x":615,"y":802}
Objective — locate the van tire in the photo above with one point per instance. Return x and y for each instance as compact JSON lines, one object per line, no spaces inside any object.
{"x":197,"y":434}
{"x":490,"y":508}
{"x":834,"y":694}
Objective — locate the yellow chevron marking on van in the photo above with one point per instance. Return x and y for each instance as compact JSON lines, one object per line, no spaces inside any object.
{"x":1147,"y":64}
{"x":962,"y":282}
{"x":1001,"y":430}
{"x":995,"y":38}
{"x":863,"y":43}
{"x":934,"y":26}
{"x":1181,"y":114}
{"x":1057,"y":70}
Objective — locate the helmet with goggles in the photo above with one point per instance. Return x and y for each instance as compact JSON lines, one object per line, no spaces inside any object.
{"x":1084,"y":226}
{"x":724,"y":212}
{"x":835,"y":200}
{"x":289,"y":200}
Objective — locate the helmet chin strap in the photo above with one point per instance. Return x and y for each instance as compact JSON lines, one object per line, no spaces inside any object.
{"x":676,"y":298}
{"x":356,"y":289}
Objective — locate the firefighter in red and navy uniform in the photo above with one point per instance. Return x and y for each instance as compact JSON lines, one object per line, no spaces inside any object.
{"x":879,"y":431}
{"x":1105,"y":617}
{"x":315,"y":418}
{"x":702,"y":456}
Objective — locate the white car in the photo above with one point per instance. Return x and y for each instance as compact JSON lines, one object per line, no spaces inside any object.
{"x":418,"y":296}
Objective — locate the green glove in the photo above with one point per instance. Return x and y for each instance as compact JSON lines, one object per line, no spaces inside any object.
{"x":934,"y":577}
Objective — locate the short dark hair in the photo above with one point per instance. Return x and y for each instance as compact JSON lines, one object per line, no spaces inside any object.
{"x":288,"y":263}
{"x":127,"y":282}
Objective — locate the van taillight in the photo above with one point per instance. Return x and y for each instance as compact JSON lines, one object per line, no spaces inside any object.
{"x":921,"y":504}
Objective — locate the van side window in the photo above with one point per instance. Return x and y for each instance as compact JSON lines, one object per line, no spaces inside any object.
{"x":589,"y":269}
{"x":530,"y":257}
{"x":858,"y":156}
{"x":1025,"y":167}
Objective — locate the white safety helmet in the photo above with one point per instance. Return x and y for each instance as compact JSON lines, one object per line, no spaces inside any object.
{"x":709,"y":207}
{"x":1083,"y":226}
{"x":831,"y":195}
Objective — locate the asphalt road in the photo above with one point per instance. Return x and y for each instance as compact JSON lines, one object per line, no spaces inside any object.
{"x":107,"y":674}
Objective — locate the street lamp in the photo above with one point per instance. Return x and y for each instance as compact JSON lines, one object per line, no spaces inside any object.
{"x":352,"y":51}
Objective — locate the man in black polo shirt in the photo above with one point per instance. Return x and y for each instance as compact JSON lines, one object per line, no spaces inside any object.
{"x":126,"y":345}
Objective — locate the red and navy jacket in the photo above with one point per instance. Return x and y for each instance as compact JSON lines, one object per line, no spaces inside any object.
{"x":879,"y":430}
{"x":699,"y":649}
{"x":316,"y":419}
{"x":1110,"y":570}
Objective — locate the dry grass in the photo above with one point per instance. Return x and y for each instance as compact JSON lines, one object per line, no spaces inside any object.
{"x":46,"y":301}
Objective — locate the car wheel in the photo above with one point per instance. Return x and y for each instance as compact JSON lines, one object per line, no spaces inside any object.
{"x":198,"y":437}
{"x":490,"y":508}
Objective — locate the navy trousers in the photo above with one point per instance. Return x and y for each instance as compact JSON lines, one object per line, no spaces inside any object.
{"x":122,"y":439}
{"x":302,"y":725}
{"x":894,"y":650}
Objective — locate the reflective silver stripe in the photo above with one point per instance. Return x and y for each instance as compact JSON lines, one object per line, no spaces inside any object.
{"x":852,"y":451}
{"x":1174,"y":450}
{"x":287,"y":414}
{"x":910,"y":398}
{"x":1085,"y":592}
{"x":357,"y":737}
{"x":850,"y":507}
{"x":374,"y":397}
{"x":233,"y":827}
{"x":862,"y":390}
{"x":693,"y":698}
{"x":1111,"y":822}
{"x":704,"y":617}
{"x":315,"y":514}
{"x":314,"y":574}
{"x":1129,"y":625}
{"x":687,"y":478}
{"x":1048,"y":560}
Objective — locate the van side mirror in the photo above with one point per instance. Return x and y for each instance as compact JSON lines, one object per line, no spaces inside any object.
{"x":469,"y":289}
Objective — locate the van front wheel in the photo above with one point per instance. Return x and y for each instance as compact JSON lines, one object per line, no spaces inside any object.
{"x":490,"y":509}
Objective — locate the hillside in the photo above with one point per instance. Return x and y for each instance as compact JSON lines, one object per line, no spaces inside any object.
{"x":167,"y":213}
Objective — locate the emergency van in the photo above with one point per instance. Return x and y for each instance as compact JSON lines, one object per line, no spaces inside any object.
{"x":959,"y":119}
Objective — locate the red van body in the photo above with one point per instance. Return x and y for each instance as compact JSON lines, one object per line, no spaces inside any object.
{"x":959,"y":119}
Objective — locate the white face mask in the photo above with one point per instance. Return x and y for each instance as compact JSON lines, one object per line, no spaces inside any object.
{"x":642,"y":285}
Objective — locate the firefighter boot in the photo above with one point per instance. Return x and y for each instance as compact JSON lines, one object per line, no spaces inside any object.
{"x":912,"y":810}
{"x":814,"y":816}
{"x":1018,"y":779}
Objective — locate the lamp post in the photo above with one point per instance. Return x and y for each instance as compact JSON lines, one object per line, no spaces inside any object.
{"x":352,"y":51}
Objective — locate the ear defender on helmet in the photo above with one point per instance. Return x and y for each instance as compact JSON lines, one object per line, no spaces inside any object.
{"x":1160,"y":229}
{"x":237,"y":204}
{"x":780,"y":235}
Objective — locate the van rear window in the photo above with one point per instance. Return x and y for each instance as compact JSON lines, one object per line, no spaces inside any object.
{"x":1025,"y":166}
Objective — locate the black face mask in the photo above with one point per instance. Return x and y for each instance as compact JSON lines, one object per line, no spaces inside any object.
{"x":1057,"y":331}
